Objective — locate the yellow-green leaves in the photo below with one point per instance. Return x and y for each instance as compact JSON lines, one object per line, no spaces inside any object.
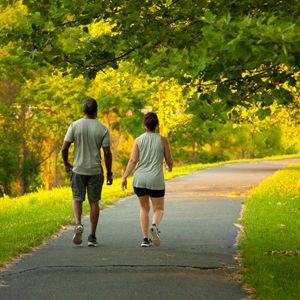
{"x":171,"y":107}
{"x":205,"y":41}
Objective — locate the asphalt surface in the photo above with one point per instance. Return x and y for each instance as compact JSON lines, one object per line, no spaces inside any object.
{"x":196,"y":259}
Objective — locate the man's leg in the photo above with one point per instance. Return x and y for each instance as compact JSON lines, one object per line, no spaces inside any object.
{"x":94,"y":216}
{"x":94,"y":189}
{"x":77,"y":211}
{"x":78,"y":185}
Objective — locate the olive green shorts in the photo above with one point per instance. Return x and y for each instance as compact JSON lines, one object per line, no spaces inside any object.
{"x":90,"y":183}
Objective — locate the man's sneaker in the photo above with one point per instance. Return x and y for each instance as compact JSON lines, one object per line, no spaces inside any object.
{"x":145,"y":243}
{"x":155,"y":237}
{"x":77,"y":238}
{"x":92,"y":241}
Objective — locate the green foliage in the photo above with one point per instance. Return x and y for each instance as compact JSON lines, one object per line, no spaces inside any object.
{"x":36,"y":108}
{"x":9,"y":158}
{"x":171,"y":105}
{"x":276,"y":116}
{"x":55,"y":103}
{"x":13,"y":73}
{"x":218,"y":142}
{"x":239,"y":48}
{"x":121,"y":95}
{"x":201,"y":59}
{"x":30,"y":170}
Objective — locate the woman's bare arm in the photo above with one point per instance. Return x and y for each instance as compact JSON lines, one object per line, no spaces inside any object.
{"x":168,"y":154}
{"x":132,"y":162}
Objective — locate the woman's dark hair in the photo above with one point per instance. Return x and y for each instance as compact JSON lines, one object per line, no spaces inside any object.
{"x":150,"y":120}
{"x":89,"y":106}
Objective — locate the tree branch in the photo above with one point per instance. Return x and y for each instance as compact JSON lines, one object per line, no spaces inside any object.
{"x":94,"y":17}
{"x":35,"y":167}
{"x":108,"y":62}
{"x":228,"y":80}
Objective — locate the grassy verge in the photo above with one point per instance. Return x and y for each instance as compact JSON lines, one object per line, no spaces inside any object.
{"x":270,"y":242}
{"x":26,"y":221}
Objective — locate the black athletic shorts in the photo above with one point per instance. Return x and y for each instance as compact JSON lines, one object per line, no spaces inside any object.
{"x":90,"y":183}
{"x":152,"y":193}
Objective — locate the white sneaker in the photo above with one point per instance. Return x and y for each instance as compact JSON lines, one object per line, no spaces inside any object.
{"x":155,"y":237}
{"x":77,"y":238}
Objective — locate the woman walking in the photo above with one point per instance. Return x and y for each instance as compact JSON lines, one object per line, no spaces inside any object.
{"x":148,"y":153}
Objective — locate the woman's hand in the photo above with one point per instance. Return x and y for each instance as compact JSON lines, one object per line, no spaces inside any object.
{"x":124,"y":184}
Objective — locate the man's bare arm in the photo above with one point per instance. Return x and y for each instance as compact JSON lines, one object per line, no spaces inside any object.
{"x":65,"y":155}
{"x":108,"y":164}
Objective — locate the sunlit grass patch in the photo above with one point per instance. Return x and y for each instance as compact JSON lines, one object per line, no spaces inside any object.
{"x":27,"y":220}
{"x":271,"y":237}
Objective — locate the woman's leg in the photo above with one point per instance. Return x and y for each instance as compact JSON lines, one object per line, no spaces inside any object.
{"x":158,"y":209}
{"x":144,"y":214}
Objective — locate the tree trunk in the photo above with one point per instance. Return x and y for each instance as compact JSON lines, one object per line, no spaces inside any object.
{"x":109,"y":118}
{"x":36,"y":165}
{"x":49,"y":166}
{"x":117,"y":144}
{"x":243,"y":154}
{"x":6,"y":187}
{"x":55,"y":174}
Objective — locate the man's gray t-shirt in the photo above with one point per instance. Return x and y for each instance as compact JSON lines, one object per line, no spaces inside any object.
{"x":88,"y":135}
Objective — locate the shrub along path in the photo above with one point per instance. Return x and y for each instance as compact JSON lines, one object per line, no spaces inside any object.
{"x":194,"y":261}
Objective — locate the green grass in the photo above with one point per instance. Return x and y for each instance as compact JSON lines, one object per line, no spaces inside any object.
{"x":270,"y":243}
{"x":27,"y":221}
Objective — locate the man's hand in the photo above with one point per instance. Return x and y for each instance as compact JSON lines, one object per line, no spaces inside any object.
{"x":109,"y":180}
{"x":65,"y":154}
{"x":168,"y":168}
{"x":68,"y":167}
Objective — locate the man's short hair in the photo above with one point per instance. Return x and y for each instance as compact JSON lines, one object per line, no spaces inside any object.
{"x":89,"y":106}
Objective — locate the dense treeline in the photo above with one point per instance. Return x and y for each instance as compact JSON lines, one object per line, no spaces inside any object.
{"x":213,"y":105}
{"x":38,"y":105}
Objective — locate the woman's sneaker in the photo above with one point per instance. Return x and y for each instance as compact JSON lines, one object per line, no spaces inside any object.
{"x":92,"y":241}
{"x":155,"y":237}
{"x":145,"y":243}
{"x":77,"y":238}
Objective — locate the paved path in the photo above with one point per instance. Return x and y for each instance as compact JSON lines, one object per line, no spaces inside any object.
{"x":194,"y":261}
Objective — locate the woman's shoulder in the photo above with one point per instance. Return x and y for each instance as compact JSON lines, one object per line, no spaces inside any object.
{"x":137,"y":141}
{"x":163,"y":138}
{"x":164,"y":141}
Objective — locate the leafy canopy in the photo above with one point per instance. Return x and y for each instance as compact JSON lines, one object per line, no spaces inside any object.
{"x":238,"y":47}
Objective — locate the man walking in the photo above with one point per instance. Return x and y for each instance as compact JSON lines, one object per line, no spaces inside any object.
{"x":88,"y":135}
